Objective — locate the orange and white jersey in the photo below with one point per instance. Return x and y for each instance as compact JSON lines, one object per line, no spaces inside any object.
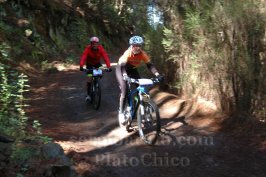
{"x":133,"y":59}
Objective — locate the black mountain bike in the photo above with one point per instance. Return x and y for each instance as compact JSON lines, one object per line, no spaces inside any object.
{"x":95,"y":86}
{"x":138,"y":104}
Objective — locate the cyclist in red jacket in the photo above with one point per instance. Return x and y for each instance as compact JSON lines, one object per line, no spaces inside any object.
{"x":92,"y":56}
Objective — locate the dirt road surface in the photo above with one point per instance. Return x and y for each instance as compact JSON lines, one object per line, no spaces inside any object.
{"x":191,"y":144}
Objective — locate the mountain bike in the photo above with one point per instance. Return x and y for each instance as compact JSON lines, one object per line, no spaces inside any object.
{"x":95,"y":86}
{"x":138,"y":104}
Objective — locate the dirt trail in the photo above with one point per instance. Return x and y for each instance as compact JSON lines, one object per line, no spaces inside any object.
{"x":190,"y":145}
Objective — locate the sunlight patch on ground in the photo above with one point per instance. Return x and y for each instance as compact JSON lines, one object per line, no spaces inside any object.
{"x":174,"y":125}
{"x":64,"y":67}
{"x":69,"y":67}
{"x":171,"y":109}
{"x":45,"y":89}
{"x":202,"y":122}
{"x":69,"y":88}
{"x":209,"y":105}
{"x":93,"y":143}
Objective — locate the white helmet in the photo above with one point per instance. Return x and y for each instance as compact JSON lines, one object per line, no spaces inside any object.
{"x":136,"y":40}
{"x":94,"y":39}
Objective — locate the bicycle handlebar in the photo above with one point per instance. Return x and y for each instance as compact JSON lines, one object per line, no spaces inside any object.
{"x":150,"y":81}
{"x":97,"y":72}
{"x":93,"y":68}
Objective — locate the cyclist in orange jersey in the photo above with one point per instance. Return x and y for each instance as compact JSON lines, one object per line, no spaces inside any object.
{"x":127,"y":68}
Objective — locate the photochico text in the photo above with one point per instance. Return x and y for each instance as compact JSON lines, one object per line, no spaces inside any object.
{"x":146,"y":159}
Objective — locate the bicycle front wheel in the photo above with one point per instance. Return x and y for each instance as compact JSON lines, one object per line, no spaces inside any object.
{"x":149,"y":124}
{"x":96,"y":96}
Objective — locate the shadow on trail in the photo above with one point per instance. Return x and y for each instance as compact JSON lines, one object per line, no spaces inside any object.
{"x":189,"y":154}
{"x":185,"y":148}
{"x":58,"y":102}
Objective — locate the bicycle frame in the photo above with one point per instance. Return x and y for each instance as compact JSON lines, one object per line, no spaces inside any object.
{"x":95,"y":79}
{"x":148,"y":118}
{"x":96,"y":76}
{"x":95,"y":90}
{"x":138,"y":105}
{"x":131,"y":95}
{"x":130,"y":99}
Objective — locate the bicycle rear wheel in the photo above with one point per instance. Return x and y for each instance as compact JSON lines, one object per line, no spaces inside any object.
{"x":149,"y":124}
{"x":96,"y":95}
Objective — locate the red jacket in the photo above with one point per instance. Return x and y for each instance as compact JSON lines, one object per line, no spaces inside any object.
{"x":91,"y":57}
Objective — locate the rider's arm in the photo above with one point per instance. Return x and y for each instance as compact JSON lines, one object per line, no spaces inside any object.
{"x":123,"y":61}
{"x":149,"y":64}
{"x":105,"y":56}
{"x":83,"y":57}
{"x":123,"y":68}
{"x":152,"y":68}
